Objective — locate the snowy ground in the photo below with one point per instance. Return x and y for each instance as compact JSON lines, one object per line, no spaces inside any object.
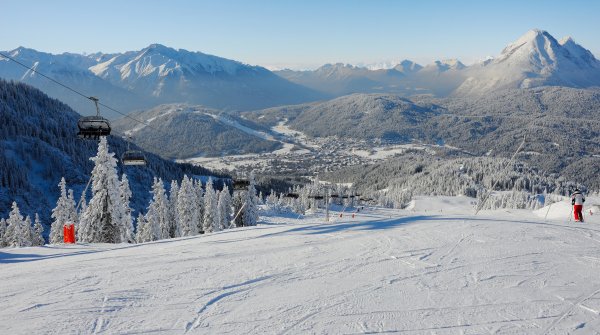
{"x":385,"y":271}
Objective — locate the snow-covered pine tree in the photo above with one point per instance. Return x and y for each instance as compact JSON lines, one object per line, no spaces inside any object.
{"x":210,"y":222}
{"x":28,"y":226}
{"x":18,"y":233}
{"x":271,"y":201}
{"x":173,"y":221}
{"x":224,"y":208}
{"x":199,"y":199}
{"x":2,"y":233}
{"x":152,"y":228}
{"x":60,"y":214}
{"x":100,"y":222}
{"x":37,"y":237}
{"x":250,"y":213}
{"x":158,"y":210}
{"x":144,"y":231}
{"x":187,"y":212}
{"x":126,"y":226}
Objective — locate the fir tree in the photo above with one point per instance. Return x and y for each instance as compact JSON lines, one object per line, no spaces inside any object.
{"x":187,"y":212}
{"x":37,"y":238}
{"x":18,"y":233}
{"x":199,"y":199}
{"x":143,"y":232}
{"x":27,"y":230}
{"x":250,"y":213}
{"x":151,"y":230}
{"x":3,"y":243}
{"x":173,"y":220}
{"x":60,"y":214}
{"x":126,"y":226}
{"x":224,"y":209}
{"x":210,"y":223}
{"x":158,"y":210}
{"x":100,"y":221}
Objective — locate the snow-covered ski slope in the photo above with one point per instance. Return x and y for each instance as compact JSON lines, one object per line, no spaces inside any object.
{"x":386,"y":271}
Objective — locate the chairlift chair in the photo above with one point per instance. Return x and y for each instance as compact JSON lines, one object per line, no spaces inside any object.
{"x":133,"y":157}
{"x":94,"y":126}
{"x":292,"y":195}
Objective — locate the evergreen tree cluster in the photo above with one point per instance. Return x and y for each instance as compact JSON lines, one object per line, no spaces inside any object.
{"x":17,"y":231}
{"x":39,"y":146}
{"x":394,"y":183}
{"x":187,"y":210}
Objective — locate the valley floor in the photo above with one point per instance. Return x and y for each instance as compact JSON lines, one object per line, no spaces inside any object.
{"x":385,"y":271}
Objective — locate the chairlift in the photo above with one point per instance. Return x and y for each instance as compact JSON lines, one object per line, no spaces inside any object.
{"x":292,"y":195}
{"x":316,"y":197}
{"x":94,"y":126}
{"x":133,"y":157}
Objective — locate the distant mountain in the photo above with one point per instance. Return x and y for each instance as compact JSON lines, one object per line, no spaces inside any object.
{"x":184,"y":131}
{"x":38,"y":146}
{"x":72,"y":70}
{"x":342,"y":79}
{"x":535,"y":59}
{"x":406,"y":78}
{"x":358,"y":116}
{"x":154,"y":75}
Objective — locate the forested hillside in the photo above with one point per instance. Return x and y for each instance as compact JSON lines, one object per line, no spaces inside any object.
{"x":38,"y":146}
{"x":396,"y":182}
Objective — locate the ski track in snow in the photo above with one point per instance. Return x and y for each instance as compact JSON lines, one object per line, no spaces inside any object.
{"x":386,"y":271}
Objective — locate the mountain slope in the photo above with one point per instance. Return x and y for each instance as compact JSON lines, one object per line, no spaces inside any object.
{"x":184,"y":131}
{"x":562,"y":134}
{"x":154,"y":75}
{"x":38,"y":146}
{"x":365,"y":116}
{"x":535,"y":59}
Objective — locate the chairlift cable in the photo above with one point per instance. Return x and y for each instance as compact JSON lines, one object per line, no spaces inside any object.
{"x":94,"y":99}
{"x":77,"y":92}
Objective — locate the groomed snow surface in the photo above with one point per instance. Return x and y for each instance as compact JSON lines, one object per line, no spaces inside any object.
{"x":426,"y":270}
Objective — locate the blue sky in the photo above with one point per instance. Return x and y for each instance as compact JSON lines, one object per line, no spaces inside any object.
{"x":296,"y":34}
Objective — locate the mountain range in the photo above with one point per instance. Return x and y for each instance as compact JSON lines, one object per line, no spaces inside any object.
{"x":535,"y":59}
{"x":157,"y":74}
{"x":154,"y":75}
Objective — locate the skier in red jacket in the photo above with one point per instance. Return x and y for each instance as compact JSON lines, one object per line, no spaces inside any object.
{"x":577,"y":200}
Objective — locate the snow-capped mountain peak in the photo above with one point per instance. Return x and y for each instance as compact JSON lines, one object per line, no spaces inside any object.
{"x":536,"y":47}
{"x":407,"y":66}
{"x":535,"y":59}
{"x":580,"y":53}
